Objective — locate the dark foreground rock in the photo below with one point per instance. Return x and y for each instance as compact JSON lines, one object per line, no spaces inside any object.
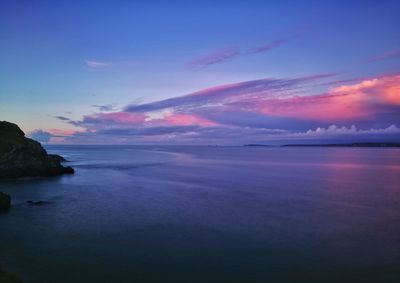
{"x":24,"y":157}
{"x":7,"y":277}
{"x":39,"y":202}
{"x":57,"y":157}
{"x":5,"y":202}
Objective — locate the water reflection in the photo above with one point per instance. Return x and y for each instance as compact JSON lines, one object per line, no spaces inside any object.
{"x":206,"y":213}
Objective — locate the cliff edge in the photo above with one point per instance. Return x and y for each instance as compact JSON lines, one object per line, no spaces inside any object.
{"x":23,"y":157}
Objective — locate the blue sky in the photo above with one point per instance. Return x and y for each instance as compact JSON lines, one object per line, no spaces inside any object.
{"x":59,"y":58}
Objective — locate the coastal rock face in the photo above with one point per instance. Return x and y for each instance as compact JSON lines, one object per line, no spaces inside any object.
{"x":24,"y":157}
{"x":7,"y":277}
{"x":5,"y":201}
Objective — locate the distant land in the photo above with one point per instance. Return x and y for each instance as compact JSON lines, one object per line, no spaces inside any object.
{"x":357,"y":144}
{"x":256,"y":144}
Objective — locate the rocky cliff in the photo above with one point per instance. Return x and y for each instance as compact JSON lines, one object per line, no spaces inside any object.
{"x":24,"y":157}
{"x":7,"y":277}
{"x":5,"y":202}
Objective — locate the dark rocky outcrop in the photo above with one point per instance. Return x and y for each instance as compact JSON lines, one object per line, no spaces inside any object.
{"x":5,"y":201}
{"x":24,"y":157}
{"x":57,"y":157}
{"x":7,"y":277}
{"x":39,"y":202}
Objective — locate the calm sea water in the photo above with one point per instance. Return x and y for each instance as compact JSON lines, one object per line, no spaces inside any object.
{"x":208,"y":214}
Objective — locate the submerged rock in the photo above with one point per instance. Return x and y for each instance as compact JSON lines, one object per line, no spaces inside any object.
{"x":39,"y":202}
{"x":24,"y":157}
{"x":5,"y":201}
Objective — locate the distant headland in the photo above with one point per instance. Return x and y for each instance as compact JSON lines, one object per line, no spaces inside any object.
{"x":357,"y":144}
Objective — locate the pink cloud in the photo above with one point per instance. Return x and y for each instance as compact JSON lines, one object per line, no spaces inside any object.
{"x":123,"y":117}
{"x":339,"y":104}
{"x":272,"y":98}
{"x":60,"y":132}
{"x":247,"y":111}
{"x":187,"y":119}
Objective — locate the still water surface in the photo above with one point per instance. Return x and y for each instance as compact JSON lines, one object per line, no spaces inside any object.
{"x":208,"y":214}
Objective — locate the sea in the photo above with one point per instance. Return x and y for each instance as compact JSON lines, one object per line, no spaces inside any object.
{"x":207,"y":214}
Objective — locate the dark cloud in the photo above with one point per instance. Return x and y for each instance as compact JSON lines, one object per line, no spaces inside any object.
{"x":148,"y":131}
{"x":104,"y":108}
{"x":62,"y":118}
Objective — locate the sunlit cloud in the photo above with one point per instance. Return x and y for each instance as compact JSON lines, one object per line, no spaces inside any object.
{"x":334,"y":130}
{"x":188,"y":119}
{"x":256,"y":111}
{"x":364,"y":100}
{"x":254,"y":90}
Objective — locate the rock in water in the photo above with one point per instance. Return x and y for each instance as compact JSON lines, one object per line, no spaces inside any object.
{"x":39,"y":202}
{"x":5,"y":201}
{"x":24,"y":157}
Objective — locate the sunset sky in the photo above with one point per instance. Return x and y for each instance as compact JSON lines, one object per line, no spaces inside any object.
{"x":210,"y":72}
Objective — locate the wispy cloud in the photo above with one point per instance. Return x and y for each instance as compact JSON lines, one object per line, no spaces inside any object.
{"x":62,"y":118}
{"x":253,"y":90}
{"x":96,"y":64}
{"x":384,"y":56}
{"x":267,"y":47}
{"x":231,"y":53}
{"x":99,"y":64}
{"x":222,"y":55}
{"x":104,"y":108}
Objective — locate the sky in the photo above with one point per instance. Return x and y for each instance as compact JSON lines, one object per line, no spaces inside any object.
{"x":201,"y":72}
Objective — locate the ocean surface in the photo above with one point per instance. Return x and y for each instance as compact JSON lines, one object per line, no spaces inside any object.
{"x":208,"y":214}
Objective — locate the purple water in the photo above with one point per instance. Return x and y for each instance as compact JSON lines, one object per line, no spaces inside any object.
{"x":208,"y":214}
